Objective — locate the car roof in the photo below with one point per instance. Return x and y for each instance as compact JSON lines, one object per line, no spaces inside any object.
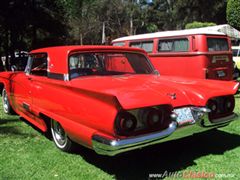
{"x":74,"y":48}
{"x":58,"y":56}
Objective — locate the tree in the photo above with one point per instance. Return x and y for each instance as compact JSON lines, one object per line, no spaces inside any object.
{"x":159,"y":16}
{"x":196,"y":24}
{"x":47,"y":23}
{"x":87,"y":19}
{"x":13,"y":22}
{"x":233,"y":13}
{"x":30,"y":24}
{"x":187,"y":11}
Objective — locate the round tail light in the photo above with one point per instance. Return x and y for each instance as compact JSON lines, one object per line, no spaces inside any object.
{"x":125,"y":123}
{"x":213,"y":106}
{"x":153,"y":117}
{"x":229,"y":104}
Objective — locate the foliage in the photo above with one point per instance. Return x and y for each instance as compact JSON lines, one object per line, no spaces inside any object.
{"x":233,"y":13}
{"x":196,"y":24}
{"x":151,"y":27}
{"x":30,"y":24}
{"x":119,"y":18}
{"x":159,"y":16}
{"x":187,"y":11}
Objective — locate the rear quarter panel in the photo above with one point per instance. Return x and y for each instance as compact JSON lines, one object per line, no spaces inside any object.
{"x":81,"y":113}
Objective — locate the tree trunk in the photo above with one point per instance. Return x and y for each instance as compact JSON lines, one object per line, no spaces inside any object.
{"x":80,"y":36}
{"x":131,"y":26}
{"x":103,"y":34}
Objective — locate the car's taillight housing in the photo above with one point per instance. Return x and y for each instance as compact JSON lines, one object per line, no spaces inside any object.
{"x":221,"y":106}
{"x":143,"y":120}
{"x":125,"y":123}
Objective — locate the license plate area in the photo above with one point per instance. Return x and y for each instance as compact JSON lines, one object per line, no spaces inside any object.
{"x":221,"y":74}
{"x":184,"y":116}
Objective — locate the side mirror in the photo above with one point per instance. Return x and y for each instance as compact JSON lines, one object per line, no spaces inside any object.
{"x":13,"y":68}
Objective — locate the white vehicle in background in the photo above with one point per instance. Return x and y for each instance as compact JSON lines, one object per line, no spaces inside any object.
{"x":236,"y":60}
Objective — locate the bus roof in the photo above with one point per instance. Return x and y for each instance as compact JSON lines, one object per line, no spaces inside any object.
{"x":169,"y":34}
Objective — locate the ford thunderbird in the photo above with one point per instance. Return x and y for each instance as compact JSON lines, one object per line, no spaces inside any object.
{"x":111,"y":99}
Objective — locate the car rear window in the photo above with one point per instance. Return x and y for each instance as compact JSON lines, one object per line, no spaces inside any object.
{"x":217,"y":44}
{"x":108,"y":63}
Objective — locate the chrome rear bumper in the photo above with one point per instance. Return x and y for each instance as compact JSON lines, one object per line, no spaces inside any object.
{"x":111,"y":147}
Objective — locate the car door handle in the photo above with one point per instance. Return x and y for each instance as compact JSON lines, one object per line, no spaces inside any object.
{"x":29,"y":78}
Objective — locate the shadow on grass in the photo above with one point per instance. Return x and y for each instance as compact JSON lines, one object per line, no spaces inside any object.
{"x":4,"y":121}
{"x":12,"y":130}
{"x":170,"y":156}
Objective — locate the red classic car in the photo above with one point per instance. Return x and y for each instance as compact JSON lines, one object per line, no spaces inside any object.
{"x":111,"y":99}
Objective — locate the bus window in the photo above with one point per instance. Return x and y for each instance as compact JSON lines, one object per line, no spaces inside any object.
{"x":173,"y":45}
{"x":217,"y":44}
{"x":119,"y":44}
{"x":146,"y":45}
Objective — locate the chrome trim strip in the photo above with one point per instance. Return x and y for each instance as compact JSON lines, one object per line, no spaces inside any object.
{"x":201,"y":109}
{"x":111,"y":147}
{"x":216,"y":122}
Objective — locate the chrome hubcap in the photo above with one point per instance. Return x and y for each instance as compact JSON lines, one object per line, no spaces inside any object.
{"x":5,"y":101}
{"x":59,"y":134}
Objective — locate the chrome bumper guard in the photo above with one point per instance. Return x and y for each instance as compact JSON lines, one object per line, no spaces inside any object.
{"x":111,"y":147}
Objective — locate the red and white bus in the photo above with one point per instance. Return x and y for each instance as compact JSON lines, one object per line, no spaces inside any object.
{"x":190,"y":53}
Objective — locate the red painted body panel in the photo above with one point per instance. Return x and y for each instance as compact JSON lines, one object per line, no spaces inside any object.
{"x":89,"y":104}
{"x":131,"y":90}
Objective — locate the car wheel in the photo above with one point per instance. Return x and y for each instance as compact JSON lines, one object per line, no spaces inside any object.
{"x":60,"y":137}
{"x":5,"y":101}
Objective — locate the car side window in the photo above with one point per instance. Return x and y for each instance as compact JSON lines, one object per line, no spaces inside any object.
{"x":38,"y":65}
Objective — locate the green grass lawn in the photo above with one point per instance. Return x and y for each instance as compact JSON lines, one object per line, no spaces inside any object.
{"x":26,"y":154}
